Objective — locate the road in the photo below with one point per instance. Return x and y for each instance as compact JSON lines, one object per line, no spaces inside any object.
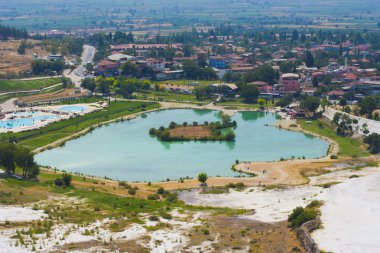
{"x":78,"y":74}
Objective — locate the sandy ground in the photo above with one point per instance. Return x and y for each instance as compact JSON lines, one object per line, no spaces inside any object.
{"x":351,"y":216}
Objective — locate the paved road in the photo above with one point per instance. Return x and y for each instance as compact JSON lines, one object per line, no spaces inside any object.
{"x":77,"y":75}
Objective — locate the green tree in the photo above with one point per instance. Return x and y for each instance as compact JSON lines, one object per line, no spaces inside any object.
{"x":66,"y":178}
{"x":129,"y":69}
{"x":88,"y":84}
{"x":202,"y":178}
{"x":261,"y":102}
{"x":367,"y":105}
{"x":286,"y":67}
{"x":22,"y":48}
{"x":310,"y":104}
{"x":309,"y":59}
{"x":343,"y":102}
{"x":249,"y":92}
{"x":285,"y":100}
{"x":373,"y":141}
{"x":315,"y":82}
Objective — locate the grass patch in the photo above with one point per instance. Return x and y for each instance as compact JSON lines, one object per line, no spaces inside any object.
{"x":348,"y":147}
{"x":35,"y":84}
{"x":58,"y":130}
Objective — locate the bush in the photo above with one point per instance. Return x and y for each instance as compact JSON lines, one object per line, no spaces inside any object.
{"x":132,"y":191}
{"x":153,"y":197}
{"x":66,"y":179}
{"x":160,"y":190}
{"x":154,"y":218}
{"x":333,"y":157}
{"x":58,"y":182}
{"x":166,"y":216}
{"x":152,"y":131}
{"x":172,"y":197}
{"x":300,"y":215}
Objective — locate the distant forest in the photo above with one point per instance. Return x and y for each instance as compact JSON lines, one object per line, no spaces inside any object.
{"x":7,"y":32}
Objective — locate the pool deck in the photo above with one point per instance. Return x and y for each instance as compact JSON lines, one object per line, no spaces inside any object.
{"x":47,"y":110}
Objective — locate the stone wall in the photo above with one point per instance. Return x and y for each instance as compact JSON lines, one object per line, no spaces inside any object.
{"x":304,"y":235}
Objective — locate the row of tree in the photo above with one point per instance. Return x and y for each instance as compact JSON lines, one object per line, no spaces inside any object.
{"x":7,"y":32}
{"x":40,"y":67}
{"x":12,"y":155}
{"x":120,"y":86}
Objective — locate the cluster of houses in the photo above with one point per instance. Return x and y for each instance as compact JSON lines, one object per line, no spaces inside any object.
{"x":347,"y":77}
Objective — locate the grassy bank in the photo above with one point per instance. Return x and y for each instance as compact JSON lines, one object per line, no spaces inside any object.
{"x":35,"y":84}
{"x":58,"y":130}
{"x":348,"y":147}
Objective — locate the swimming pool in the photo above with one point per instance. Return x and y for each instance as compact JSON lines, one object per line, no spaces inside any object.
{"x":73,"y":108}
{"x":31,"y":118}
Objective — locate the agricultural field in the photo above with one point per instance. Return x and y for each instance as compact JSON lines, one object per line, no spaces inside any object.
{"x":177,"y":14}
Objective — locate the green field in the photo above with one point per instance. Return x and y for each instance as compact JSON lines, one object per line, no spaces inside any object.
{"x":21,"y":85}
{"x":177,"y":14}
{"x":171,"y":97}
{"x":348,"y":147}
{"x":58,"y":130}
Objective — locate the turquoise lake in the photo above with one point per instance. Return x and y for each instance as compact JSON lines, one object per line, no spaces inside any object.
{"x":125,"y":151}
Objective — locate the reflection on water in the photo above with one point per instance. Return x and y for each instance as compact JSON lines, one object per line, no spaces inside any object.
{"x":252,"y":116}
{"x":126,"y":151}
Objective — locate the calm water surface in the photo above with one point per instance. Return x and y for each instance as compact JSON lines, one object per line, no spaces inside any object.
{"x":125,"y":151}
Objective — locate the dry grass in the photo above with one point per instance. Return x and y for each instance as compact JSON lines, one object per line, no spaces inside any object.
{"x":244,"y":234}
{"x":191,"y":132}
{"x":13,"y":63}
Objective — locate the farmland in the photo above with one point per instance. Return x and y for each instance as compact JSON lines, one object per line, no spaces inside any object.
{"x":176,"y":14}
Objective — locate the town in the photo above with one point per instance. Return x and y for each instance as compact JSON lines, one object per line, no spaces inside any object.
{"x":178,"y":134}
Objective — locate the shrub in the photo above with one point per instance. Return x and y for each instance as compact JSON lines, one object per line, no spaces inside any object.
{"x":166,"y":216}
{"x":132,"y":191}
{"x":206,"y":232}
{"x":58,"y":182}
{"x":153,"y":197}
{"x":160,"y":190}
{"x":300,"y":215}
{"x":154,"y":218}
{"x":152,"y":131}
{"x":172,"y":197}
{"x":66,"y":178}
{"x":333,"y":157}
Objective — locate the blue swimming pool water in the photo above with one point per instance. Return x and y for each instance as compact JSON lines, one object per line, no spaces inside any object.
{"x":72,"y":108}
{"x":30,"y":121}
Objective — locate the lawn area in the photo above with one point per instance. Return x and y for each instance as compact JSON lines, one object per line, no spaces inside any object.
{"x":187,"y":82}
{"x":58,"y":130}
{"x":171,"y":97}
{"x":35,"y":84}
{"x":22,"y":94}
{"x":348,"y":147}
{"x":239,"y":102}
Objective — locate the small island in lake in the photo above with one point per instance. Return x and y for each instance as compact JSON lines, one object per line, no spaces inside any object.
{"x":208,"y":131}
